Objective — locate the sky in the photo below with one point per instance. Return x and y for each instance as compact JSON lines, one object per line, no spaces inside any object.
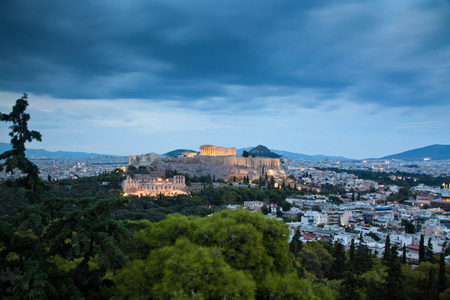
{"x":357,"y":79}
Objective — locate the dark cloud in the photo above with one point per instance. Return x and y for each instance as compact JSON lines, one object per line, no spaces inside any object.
{"x":379,"y":52}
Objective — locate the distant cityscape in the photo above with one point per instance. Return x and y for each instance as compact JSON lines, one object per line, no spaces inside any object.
{"x":72,"y":168}
{"x":76,"y":167}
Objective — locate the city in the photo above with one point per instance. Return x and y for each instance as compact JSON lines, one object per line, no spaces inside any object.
{"x":225,"y":150}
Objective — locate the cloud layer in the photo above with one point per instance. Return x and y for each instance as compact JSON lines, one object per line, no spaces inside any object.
{"x":202,"y":63}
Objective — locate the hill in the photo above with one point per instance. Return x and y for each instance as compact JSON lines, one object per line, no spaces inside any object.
{"x":44,"y":153}
{"x":178,"y":152}
{"x":434,"y":152}
{"x":288,"y":154}
{"x":262,"y":151}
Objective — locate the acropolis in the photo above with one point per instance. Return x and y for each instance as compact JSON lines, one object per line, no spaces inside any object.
{"x":222,"y":162}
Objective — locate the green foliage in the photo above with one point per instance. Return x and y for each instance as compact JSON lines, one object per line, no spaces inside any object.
{"x":296,"y":245}
{"x":183,"y":270}
{"x":62,"y":246}
{"x":316,"y":259}
{"x":290,"y":286}
{"x":248,"y":251}
{"x":422,"y":282}
{"x":375,"y":281}
{"x":156,"y":210}
{"x":339,"y":264}
{"x":12,"y":199}
{"x":408,"y":179}
{"x":351,"y":287}
{"x":362,"y":261}
{"x":409,"y":226}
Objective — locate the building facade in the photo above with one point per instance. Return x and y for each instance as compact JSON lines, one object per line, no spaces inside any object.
{"x":144,"y":185}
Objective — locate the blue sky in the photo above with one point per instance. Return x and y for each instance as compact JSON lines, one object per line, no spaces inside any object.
{"x":352,"y":78}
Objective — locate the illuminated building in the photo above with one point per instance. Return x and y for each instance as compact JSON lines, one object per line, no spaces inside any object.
{"x":144,"y":185}
{"x":443,"y":202}
{"x":190,"y":154}
{"x":210,"y":150}
{"x":445,"y":197}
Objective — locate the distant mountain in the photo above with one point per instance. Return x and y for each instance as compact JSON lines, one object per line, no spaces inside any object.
{"x":297,"y":155}
{"x":44,"y":153}
{"x":434,"y":152}
{"x":178,"y":152}
{"x":262,"y":151}
{"x":318,"y":157}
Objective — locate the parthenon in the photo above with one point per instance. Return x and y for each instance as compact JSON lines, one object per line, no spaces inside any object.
{"x":210,"y":150}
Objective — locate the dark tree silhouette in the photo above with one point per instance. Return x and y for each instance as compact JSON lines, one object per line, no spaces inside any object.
{"x":15,"y":158}
{"x":421,"y":249}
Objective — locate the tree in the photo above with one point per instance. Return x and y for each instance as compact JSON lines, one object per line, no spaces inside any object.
{"x":350,"y":287}
{"x":315,"y":259}
{"x":352,"y":251}
{"x":422,"y":282}
{"x":409,"y":226}
{"x":265,"y":210}
{"x":404,"y":255}
{"x":442,"y":274}
{"x":183,"y":270}
{"x":15,"y":158}
{"x":230,"y":250}
{"x":339,"y":261}
{"x":296,"y":244}
{"x":387,"y":250}
{"x":279,"y":213}
{"x":421,"y":249}
{"x":245,"y":153}
{"x":53,"y":245}
{"x":375,"y":281}
{"x":394,"y":272}
{"x":24,"y":240}
{"x":362,"y":262}
{"x":429,"y":252}
{"x":86,"y":235}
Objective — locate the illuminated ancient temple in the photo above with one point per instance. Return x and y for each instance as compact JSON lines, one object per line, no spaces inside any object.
{"x":210,"y":150}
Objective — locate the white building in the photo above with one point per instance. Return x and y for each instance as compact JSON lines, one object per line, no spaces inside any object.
{"x":314,"y":218}
{"x":253,"y":205}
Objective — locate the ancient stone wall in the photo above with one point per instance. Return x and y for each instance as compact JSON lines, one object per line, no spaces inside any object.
{"x":224,"y":167}
{"x":249,"y":162}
